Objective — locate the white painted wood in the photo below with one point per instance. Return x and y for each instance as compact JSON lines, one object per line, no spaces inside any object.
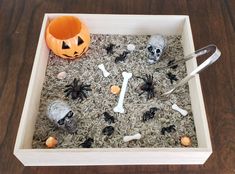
{"x":110,"y":24}
{"x":30,"y":110}
{"x":198,"y":108}
{"x":112,"y":156}
{"x":130,"y":24}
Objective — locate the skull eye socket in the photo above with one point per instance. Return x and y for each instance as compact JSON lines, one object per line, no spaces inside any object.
{"x":158,"y":51}
{"x":69,"y":114}
{"x":61,"y":121}
{"x":150,"y":49}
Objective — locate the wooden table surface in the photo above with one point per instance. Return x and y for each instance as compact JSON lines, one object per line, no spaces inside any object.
{"x":212,"y":22}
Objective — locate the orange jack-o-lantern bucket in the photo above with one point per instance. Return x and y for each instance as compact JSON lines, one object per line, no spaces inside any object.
{"x":67,"y":37}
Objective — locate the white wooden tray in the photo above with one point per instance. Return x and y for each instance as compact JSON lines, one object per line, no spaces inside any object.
{"x":114,"y":24}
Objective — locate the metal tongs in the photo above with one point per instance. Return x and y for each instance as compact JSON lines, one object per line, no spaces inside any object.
{"x":215,"y":56}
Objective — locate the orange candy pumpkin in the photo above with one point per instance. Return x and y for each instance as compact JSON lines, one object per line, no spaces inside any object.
{"x":51,"y":142}
{"x":67,"y":37}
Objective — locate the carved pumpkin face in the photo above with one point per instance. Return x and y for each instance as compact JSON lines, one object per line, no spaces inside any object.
{"x":67,"y":37}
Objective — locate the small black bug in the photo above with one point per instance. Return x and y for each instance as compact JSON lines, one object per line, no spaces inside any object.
{"x":109,"y":48}
{"x":149,"y":114}
{"x":87,"y":143}
{"x":148,"y":86}
{"x":108,"y":117}
{"x":168,"y":129}
{"x":121,"y":57}
{"x":172,"y":77}
{"x":108,"y":130}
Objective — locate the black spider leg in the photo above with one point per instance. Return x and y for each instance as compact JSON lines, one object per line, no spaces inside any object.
{"x":149,"y":77}
{"x":80,"y":93}
{"x":142,"y":93}
{"x":138,"y":77}
{"x":68,"y":91}
{"x":87,"y":87}
{"x":163,"y":131}
{"x":75,"y":82}
{"x":151,"y":93}
{"x":83,"y":94}
{"x":148,"y":95}
{"x":172,"y":127}
{"x":69,"y":85}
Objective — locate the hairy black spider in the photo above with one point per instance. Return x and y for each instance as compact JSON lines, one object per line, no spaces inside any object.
{"x":168,"y":129}
{"x":108,"y":130}
{"x":109,"y":48}
{"x":149,"y":114}
{"x":172,"y":64}
{"x":121,"y":57}
{"x":108,"y":117}
{"x":148,"y":86}
{"x":87,"y":143}
{"x":172,"y":77}
{"x":77,"y":90}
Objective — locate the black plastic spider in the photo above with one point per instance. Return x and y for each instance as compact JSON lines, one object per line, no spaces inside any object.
{"x":108,"y":130}
{"x":148,"y":86}
{"x":172,"y":77}
{"x":77,"y":90}
{"x":149,"y":114}
{"x":168,"y":129}
{"x":109,"y":48}
{"x":121,"y":57}
{"x":87,"y":143}
{"x":108,"y":117}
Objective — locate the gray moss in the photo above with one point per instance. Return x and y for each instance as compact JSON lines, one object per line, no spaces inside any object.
{"x":89,"y":113}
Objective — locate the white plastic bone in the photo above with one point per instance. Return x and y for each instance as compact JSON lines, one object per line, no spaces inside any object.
{"x":132,"y":137}
{"x":102,"y":68}
{"x":181,"y":111}
{"x":119,"y":108}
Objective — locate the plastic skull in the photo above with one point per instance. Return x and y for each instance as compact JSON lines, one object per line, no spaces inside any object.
{"x":156,"y":46}
{"x":61,"y":114}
